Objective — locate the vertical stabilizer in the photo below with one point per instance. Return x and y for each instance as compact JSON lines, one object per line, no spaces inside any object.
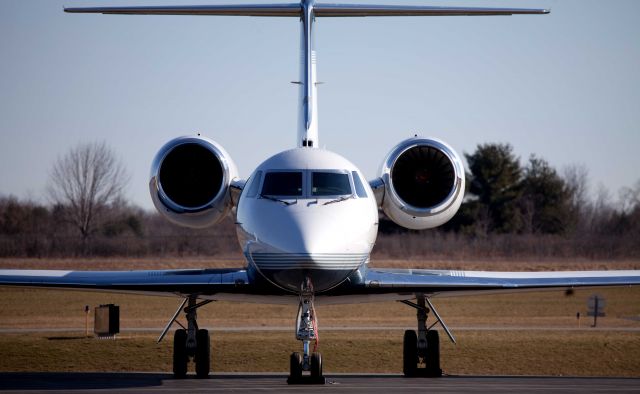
{"x":308,"y":102}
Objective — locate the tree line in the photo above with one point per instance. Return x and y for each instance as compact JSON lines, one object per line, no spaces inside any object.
{"x":526,"y":211}
{"x":29,"y":229}
{"x":511,"y":210}
{"x":506,"y":197}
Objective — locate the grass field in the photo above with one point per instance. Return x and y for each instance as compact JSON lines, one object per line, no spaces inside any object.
{"x":479,"y":353}
{"x":561,"y":351}
{"x":39,"y":308}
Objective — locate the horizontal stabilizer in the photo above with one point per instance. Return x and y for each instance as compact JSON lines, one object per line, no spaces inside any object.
{"x":295,"y":10}
{"x":346,"y":10}
{"x":231,"y":10}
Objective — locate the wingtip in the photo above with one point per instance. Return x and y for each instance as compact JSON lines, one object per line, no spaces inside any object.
{"x":74,"y":10}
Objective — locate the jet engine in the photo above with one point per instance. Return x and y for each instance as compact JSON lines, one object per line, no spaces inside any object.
{"x":190,"y":181}
{"x":421,"y":183}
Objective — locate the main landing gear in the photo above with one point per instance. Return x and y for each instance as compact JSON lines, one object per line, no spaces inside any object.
{"x":421,"y":351}
{"x":306,"y":331}
{"x":190,"y":342}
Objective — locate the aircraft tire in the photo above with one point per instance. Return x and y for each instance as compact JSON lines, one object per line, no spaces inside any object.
{"x":433,"y":353}
{"x":203,"y":354}
{"x":180,"y":358}
{"x":409,"y":353}
{"x":316,"y":365}
{"x":295,"y":366}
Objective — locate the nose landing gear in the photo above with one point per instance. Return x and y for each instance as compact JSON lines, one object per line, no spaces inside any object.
{"x":306,"y":331}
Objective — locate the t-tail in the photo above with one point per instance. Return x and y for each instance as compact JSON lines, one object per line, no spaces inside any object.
{"x":307,"y":11}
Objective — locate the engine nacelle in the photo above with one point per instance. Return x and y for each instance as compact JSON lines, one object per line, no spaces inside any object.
{"x":190,"y":180}
{"x":423,"y":181}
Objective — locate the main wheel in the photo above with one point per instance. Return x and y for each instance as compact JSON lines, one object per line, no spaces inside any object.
{"x":203,"y":354}
{"x":433,"y":353}
{"x":180,"y":358}
{"x":316,"y":365}
{"x":295,"y":365}
{"x":409,"y":353}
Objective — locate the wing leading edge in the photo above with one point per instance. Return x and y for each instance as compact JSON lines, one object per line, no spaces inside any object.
{"x":444,"y":282}
{"x":387,"y":280}
{"x":404,"y":283}
{"x":163,"y":282}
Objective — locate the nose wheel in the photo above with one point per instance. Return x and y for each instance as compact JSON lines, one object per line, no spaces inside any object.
{"x":295,"y":367}
{"x":316,"y":366}
{"x":306,"y":367}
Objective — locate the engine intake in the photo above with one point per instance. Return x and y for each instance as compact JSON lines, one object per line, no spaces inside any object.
{"x":423,"y":183}
{"x":190,"y":179}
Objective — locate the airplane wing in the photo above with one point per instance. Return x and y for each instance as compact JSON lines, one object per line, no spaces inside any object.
{"x":439,"y":283}
{"x":402,"y":283}
{"x":159,"y":282}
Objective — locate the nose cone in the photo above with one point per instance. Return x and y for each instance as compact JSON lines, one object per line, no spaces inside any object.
{"x":323,"y":232}
{"x":322,"y":244}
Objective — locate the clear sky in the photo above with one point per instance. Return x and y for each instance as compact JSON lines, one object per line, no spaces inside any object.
{"x":565,"y":86}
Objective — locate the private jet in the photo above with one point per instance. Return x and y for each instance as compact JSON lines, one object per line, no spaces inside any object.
{"x":307,"y":220}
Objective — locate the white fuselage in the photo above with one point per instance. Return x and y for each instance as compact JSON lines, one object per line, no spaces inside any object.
{"x":309,"y":228}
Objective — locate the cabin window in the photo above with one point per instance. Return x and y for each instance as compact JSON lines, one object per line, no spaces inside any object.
{"x":357,"y":182}
{"x":282,"y":184}
{"x":330,"y":184}
{"x":254,"y":184}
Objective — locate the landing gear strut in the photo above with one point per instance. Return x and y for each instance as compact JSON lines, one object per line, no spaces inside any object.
{"x":190,"y":342}
{"x":306,"y":331}
{"x":421,"y":351}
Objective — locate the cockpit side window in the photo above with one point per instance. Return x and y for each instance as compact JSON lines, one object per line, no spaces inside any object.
{"x":357,"y":182}
{"x":254,"y":184}
{"x":330,"y":184}
{"x":282,"y":184}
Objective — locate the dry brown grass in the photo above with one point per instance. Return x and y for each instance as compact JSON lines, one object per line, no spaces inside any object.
{"x":502,"y":353}
{"x":103,"y":264}
{"x":511,"y":265}
{"x":38,"y":308}
{"x":207,"y":262}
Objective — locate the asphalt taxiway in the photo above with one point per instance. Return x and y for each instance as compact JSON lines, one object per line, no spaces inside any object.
{"x":338,"y":383}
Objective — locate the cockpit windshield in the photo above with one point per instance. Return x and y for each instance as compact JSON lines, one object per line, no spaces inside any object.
{"x":282,"y":184}
{"x":330,"y":184}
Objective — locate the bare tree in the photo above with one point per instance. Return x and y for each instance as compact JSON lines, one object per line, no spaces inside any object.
{"x":630,"y":198}
{"x":576,"y":179}
{"x":603,"y":210}
{"x":85,"y":181}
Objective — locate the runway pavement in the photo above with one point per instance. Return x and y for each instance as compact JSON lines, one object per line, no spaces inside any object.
{"x":339,"y":383}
